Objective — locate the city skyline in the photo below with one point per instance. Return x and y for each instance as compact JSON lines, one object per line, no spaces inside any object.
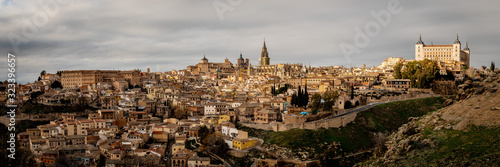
{"x":172,"y":35}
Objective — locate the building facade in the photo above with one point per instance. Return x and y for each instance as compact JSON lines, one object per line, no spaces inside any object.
{"x":77,"y":78}
{"x":443,"y":53}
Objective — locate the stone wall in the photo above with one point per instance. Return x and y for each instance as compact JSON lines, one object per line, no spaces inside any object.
{"x":313,"y":125}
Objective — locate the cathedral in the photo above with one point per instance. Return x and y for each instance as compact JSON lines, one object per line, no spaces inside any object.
{"x":443,"y":53}
{"x":265,"y":68}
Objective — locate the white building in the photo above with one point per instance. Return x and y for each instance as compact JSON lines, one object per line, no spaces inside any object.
{"x":215,"y":108}
{"x":443,"y":53}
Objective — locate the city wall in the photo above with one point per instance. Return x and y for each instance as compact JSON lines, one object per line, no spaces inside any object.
{"x":313,"y":125}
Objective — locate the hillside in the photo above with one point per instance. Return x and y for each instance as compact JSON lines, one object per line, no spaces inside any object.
{"x":466,"y":133}
{"x":360,"y":136}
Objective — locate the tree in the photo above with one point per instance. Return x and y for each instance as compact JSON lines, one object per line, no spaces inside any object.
{"x":34,"y":96}
{"x":273,"y":90}
{"x":492,"y":66}
{"x":56,"y":84}
{"x":203,"y":132}
{"x":43,"y":73}
{"x":397,"y":71}
{"x":299,"y":97}
{"x":421,"y":73}
{"x":315,"y":102}
{"x":215,"y":143}
{"x":305,"y":98}
{"x":180,"y":113}
{"x":294,"y":99}
{"x":330,"y":97}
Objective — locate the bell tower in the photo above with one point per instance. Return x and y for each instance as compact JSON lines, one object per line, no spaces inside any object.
{"x":264,"y":56}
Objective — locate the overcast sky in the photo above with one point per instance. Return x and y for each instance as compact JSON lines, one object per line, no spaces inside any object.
{"x":165,"y":35}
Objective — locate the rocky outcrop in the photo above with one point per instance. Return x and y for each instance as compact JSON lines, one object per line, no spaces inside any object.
{"x":477,"y":87}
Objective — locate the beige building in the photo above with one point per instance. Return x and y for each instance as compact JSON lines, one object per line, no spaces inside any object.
{"x":265,"y":116}
{"x":205,"y":67}
{"x":196,"y":161}
{"x":443,"y":53}
{"x":397,"y":84}
{"x":77,"y":78}
{"x":390,"y":62}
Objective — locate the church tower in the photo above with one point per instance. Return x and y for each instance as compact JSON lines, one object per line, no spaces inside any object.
{"x":264,"y":56}
{"x":457,"y":48}
{"x":419,"y":49}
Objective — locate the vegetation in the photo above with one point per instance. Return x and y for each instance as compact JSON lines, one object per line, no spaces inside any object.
{"x":301,"y":98}
{"x":203,"y":132}
{"x":329,"y":98}
{"x":473,"y":146}
{"x":35,"y":108}
{"x":56,"y":84}
{"x":355,"y":137}
{"x":421,"y":73}
{"x":180,"y":113}
{"x":280,"y":90}
{"x":215,"y":143}
{"x":492,"y":66}
{"x":315,"y":103}
{"x":22,"y":125}
{"x":390,"y":116}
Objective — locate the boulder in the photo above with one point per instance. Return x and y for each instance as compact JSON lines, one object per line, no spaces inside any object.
{"x":493,"y":90}
{"x":488,"y":80}
{"x":468,"y":82}
{"x":447,"y":102}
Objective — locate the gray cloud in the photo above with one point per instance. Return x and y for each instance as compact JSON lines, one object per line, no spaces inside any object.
{"x":165,"y":35}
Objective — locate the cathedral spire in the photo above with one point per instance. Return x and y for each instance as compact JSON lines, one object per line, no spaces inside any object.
{"x":264,"y":43}
{"x":466,"y":46}
{"x":264,"y":56}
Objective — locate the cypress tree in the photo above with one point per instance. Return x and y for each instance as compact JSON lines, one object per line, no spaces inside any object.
{"x":306,"y":96}
{"x":299,"y":97}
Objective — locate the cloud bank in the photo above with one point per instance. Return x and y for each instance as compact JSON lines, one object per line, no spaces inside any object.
{"x":166,"y":35}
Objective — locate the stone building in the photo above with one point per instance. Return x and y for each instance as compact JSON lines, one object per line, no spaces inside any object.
{"x":443,"y":53}
{"x":78,"y":78}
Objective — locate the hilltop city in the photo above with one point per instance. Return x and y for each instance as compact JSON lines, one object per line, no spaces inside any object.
{"x":234,"y":113}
